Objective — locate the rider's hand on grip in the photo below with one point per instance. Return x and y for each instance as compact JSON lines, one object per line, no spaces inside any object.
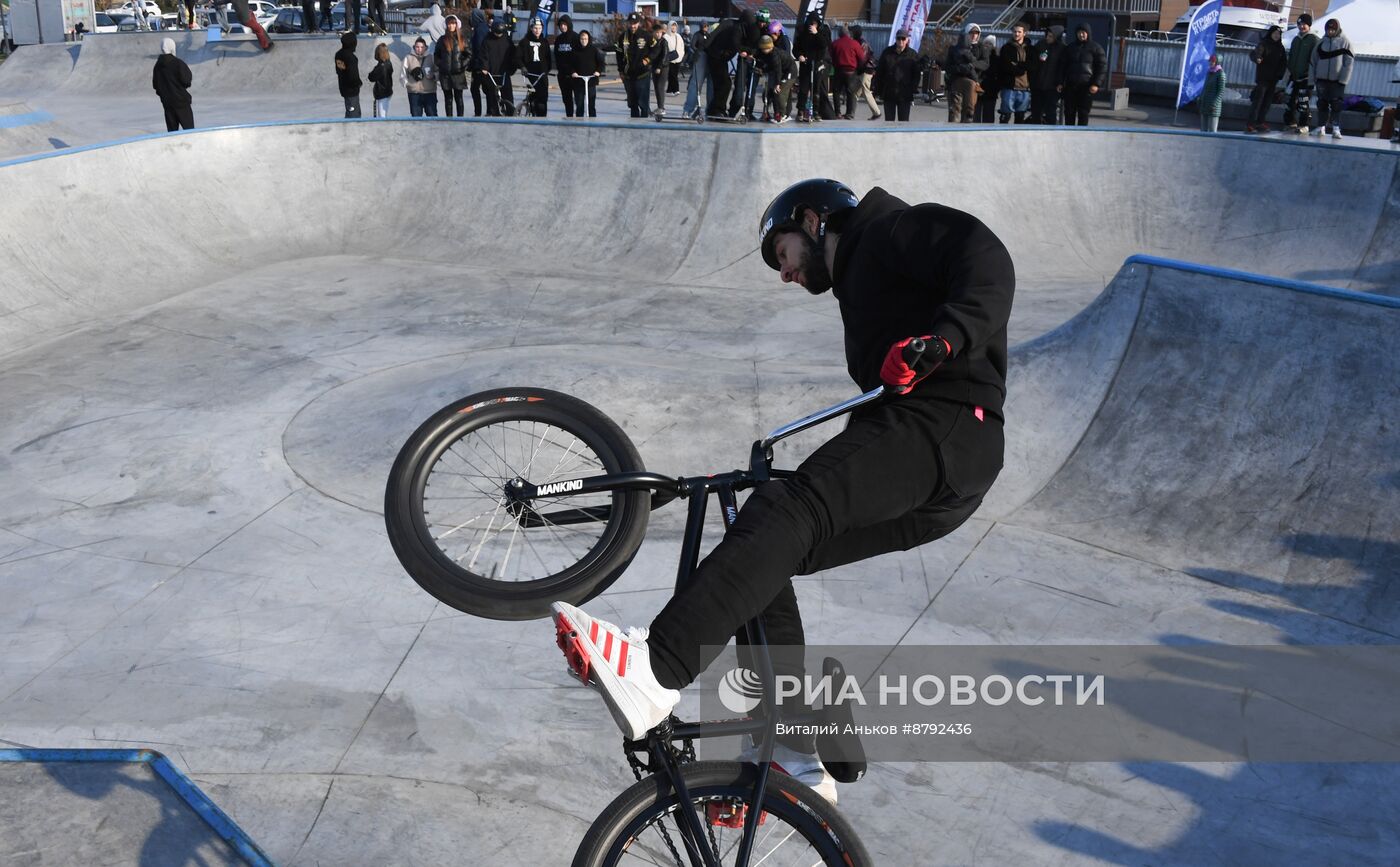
{"x":911,"y":359}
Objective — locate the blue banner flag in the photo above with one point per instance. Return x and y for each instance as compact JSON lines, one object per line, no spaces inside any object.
{"x":1200,"y":45}
{"x":544,"y":10}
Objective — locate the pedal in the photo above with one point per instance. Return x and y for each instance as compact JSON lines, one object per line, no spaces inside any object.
{"x":727,"y":814}
{"x":574,"y":652}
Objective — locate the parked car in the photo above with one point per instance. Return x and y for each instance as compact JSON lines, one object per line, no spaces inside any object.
{"x":149,"y":7}
{"x":108,"y":23}
{"x":288,"y":20}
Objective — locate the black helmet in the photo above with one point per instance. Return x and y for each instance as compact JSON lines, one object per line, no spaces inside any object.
{"x":822,"y":195}
{"x":498,"y":27}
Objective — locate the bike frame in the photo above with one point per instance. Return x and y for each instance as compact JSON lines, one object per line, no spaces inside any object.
{"x":697,"y":490}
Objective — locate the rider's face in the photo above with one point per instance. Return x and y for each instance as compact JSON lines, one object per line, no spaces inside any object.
{"x":796,"y":254}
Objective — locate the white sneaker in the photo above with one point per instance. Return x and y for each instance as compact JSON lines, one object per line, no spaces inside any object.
{"x":1317,"y":130}
{"x":1336,"y":132}
{"x":618,"y":665}
{"x":805,"y":768}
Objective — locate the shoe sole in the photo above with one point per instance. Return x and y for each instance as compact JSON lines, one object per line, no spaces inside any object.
{"x":601,"y":680}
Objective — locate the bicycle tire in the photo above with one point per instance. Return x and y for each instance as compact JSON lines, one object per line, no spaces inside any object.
{"x":471,"y":589}
{"x":623,"y":822}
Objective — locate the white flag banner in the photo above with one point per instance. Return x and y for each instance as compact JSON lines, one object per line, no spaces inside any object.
{"x":911,"y":15}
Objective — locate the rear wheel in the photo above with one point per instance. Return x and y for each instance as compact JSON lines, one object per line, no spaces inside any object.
{"x":643,"y":824}
{"x":461,"y":535}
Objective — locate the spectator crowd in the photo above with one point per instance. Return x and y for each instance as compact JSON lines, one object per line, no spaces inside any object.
{"x":748,"y":69}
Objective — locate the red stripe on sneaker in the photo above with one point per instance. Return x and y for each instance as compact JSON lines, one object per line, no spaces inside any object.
{"x":622,"y":661}
{"x":593,"y":631}
{"x":607,"y":648}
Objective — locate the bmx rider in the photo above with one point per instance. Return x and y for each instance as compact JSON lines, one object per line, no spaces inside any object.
{"x":904,"y":471}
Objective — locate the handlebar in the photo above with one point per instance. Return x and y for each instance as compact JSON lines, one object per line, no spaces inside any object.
{"x":911,"y":354}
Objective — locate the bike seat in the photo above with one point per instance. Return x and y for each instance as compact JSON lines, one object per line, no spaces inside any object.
{"x":841,"y":753}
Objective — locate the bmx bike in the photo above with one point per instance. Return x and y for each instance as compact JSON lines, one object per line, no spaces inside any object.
{"x":510,"y":499}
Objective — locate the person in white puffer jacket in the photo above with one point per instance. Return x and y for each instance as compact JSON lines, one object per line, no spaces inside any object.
{"x":1332,"y":62}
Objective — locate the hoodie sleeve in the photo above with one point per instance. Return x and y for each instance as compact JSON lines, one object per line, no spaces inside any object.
{"x":978,"y":282}
{"x":186,"y":79}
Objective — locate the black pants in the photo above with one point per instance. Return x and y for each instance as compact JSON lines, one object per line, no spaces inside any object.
{"x":742,"y":97}
{"x":478,"y":83}
{"x":1259,"y":102}
{"x":658,"y":85}
{"x":779,"y":96}
{"x":673,"y":79}
{"x":376,"y":11}
{"x":845,"y":86}
{"x":178,"y":116}
{"x":897,"y":109}
{"x":452,"y":97}
{"x":1078,"y":100}
{"x":352,"y":16}
{"x":1299,"y":111}
{"x":638,"y":94}
{"x":567,"y":85}
{"x":327,"y":18}
{"x":538,"y":95}
{"x":901,"y":474}
{"x":308,"y":15}
{"x":1045,"y":107}
{"x":811,"y":86}
{"x":719,"y":80}
{"x":586,"y":90}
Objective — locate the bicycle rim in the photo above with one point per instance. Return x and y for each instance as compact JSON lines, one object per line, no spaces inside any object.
{"x":473,"y":524}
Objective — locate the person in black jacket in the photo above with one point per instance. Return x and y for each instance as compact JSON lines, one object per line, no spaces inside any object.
{"x":589,"y":64}
{"x":812,"y":49}
{"x":533,"y":54}
{"x":1270,"y":63}
{"x":1085,"y":69}
{"x":903,"y":472}
{"x":499,"y":64}
{"x":634,"y":58}
{"x":732,"y":38}
{"x":1046,"y":68}
{"x":896,"y":76}
{"x":382,"y":77}
{"x":565,"y":44}
{"x":779,"y":70}
{"x":660,"y":66}
{"x":452,"y":59}
{"x":967,"y":60}
{"x":347,"y":73}
{"x":171,"y":80}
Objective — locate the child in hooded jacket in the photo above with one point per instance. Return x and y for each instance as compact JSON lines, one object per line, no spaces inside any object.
{"x":347,"y":73}
{"x":382,"y":76}
{"x":171,"y":80}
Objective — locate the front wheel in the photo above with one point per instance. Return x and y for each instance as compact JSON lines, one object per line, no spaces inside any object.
{"x":459,"y":532}
{"x":644,"y":826}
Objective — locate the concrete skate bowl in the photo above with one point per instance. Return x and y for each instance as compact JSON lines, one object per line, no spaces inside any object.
{"x":198,"y":428}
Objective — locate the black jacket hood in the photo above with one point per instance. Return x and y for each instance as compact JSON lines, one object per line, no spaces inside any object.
{"x":347,"y":40}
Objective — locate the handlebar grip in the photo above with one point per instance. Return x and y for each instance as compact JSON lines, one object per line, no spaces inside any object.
{"x":913,"y":350}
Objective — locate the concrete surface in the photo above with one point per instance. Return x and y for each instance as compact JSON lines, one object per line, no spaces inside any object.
{"x":208,"y":367}
{"x":91,"y":812}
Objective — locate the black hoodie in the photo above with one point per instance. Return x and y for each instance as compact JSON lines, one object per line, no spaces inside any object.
{"x":1045,"y":64}
{"x":171,"y":80}
{"x":498,"y":55}
{"x":565,"y":44}
{"x":534,"y":56}
{"x":903,"y":271}
{"x":347,"y":66}
{"x":813,"y":46}
{"x":588,"y":59}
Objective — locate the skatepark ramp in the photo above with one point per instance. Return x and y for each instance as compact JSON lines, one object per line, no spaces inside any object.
{"x":1071,"y":205}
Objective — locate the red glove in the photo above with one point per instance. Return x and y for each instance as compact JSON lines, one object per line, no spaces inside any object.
{"x":903,"y":368}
